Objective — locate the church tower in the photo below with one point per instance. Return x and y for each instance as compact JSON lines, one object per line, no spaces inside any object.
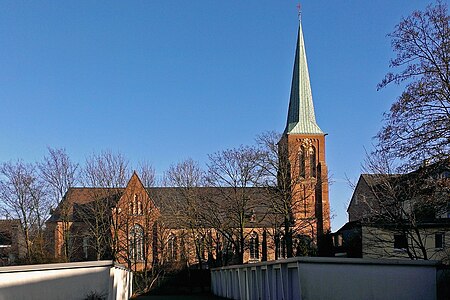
{"x":302,"y":147}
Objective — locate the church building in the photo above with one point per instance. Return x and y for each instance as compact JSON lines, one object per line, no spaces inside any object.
{"x":143,"y":226}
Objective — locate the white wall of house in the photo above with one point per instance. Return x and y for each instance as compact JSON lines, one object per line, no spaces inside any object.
{"x":65,"y":281}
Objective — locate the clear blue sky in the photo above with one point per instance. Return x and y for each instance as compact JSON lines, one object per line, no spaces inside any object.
{"x":166,"y":80}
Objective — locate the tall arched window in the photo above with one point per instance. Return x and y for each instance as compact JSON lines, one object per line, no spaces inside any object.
{"x":280,"y":246}
{"x":312,"y":161}
{"x":137,"y":243}
{"x":200,"y":247}
{"x":301,"y":161}
{"x":172,"y":248}
{"x":254,"y":246}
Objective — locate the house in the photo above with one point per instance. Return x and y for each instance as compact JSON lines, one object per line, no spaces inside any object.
{"x":399,"y":216}
{"x":11,"y":242}
{"x":142,"y":226}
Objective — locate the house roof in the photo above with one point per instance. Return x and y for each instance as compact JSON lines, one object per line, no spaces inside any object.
{"x":79,"y":196}
{"x":170,"y":201}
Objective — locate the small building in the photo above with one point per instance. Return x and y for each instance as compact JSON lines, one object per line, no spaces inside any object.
{"x":399,"y":216}
{"x":11,"y":242}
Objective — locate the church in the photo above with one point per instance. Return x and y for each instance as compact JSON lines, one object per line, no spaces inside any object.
{"x":145,"y":226}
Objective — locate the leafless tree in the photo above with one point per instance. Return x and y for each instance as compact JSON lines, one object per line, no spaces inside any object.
{"x":22,"y":197}
{"x":109,"y":172}
{"x":187,"y":209}
{"x":417,"y":127}
{"x":232,"y":172}
{"x":403,"y":205}
{"x":58,"y":172}
{"x":147,"y":174}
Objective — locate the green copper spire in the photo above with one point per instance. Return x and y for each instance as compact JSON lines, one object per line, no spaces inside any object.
{"x":301,"y":118}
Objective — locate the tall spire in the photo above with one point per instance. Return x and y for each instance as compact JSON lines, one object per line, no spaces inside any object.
{"x":301,"y":118}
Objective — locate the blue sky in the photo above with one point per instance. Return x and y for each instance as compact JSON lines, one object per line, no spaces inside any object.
{"x":167,"y":80}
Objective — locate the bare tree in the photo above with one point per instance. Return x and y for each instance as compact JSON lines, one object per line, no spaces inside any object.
{"x":187,"y":208}
{"x":147,"y":174}
{"x":417,"y":126}
{"x":232,"y":172}
{"x":403,"y":206}
{"x":58,"y":172}
{"x":22,"y":197}
{"x":109,"y":172}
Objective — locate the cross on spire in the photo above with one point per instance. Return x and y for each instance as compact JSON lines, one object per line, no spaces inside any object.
{"x":299,"y":9}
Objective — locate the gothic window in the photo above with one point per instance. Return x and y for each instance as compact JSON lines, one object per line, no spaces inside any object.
{"x":280,"y":246}
{"x":312,"y":161}
{"x":172,"y":247}
{"x":137,"y":243}
{"x":200,"y":247}
{"x":135,"y":206}
{"x":254,"y":246}
{"x":301,"y":161}
{"x":86,"y":246}
{"x":139,"y":208}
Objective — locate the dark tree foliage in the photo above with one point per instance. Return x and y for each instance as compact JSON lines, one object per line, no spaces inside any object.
{"x":417,"y":127}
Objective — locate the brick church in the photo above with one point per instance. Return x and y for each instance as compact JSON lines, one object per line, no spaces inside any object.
{"x":140,"y":226}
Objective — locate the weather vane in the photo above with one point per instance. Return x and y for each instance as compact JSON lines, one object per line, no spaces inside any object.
{"x":299,"y":9}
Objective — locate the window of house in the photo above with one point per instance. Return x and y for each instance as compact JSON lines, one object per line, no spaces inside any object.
{"x":137,"y":243}
{"x":139,"y":208}
{"x":200,"y":247}
{"x":337,"y":240}
{"x":280,"y":247}
{"x":135,"y":204}
{"x":86,"y":247}
{"x":400,"y":242}
{"x":172,"y":248}
{"x":312,"y":161}
{"x":301,"y":161}
{"x":253,"y":216}
{"x":439,"y":240}
{"x":254,"y":246}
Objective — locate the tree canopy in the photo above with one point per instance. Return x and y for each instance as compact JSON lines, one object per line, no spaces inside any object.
{"x":417,"y":127}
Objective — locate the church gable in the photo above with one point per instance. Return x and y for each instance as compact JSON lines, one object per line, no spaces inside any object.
{"x":135,"y":200}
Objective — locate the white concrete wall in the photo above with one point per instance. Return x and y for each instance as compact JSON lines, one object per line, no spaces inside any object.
{"x":327,"y":278}
{"x":65,"y":281}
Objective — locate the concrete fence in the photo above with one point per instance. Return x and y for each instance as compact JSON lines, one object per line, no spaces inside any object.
{"x":327,"y":278}
{"x":66,"y":281}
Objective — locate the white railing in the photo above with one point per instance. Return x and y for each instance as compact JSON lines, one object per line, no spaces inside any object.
{"x":326,"y":278}
{"x":66,"y":281}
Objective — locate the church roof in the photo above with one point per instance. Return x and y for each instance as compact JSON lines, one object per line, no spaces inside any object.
{"x":301,"y":118}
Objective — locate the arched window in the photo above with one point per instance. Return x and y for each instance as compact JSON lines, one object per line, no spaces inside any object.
{"x":254,"y":246}
{"x":280,"y":246}
{"x":312,"y":161}
{"x":135,"y":204}
{"x":172,"y":247}
{"x":200,"y":247}
{"x":137,"y":243}
{"x":139,"y":208}
{"x":86,"y":246}
{"x":301,"y":161}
